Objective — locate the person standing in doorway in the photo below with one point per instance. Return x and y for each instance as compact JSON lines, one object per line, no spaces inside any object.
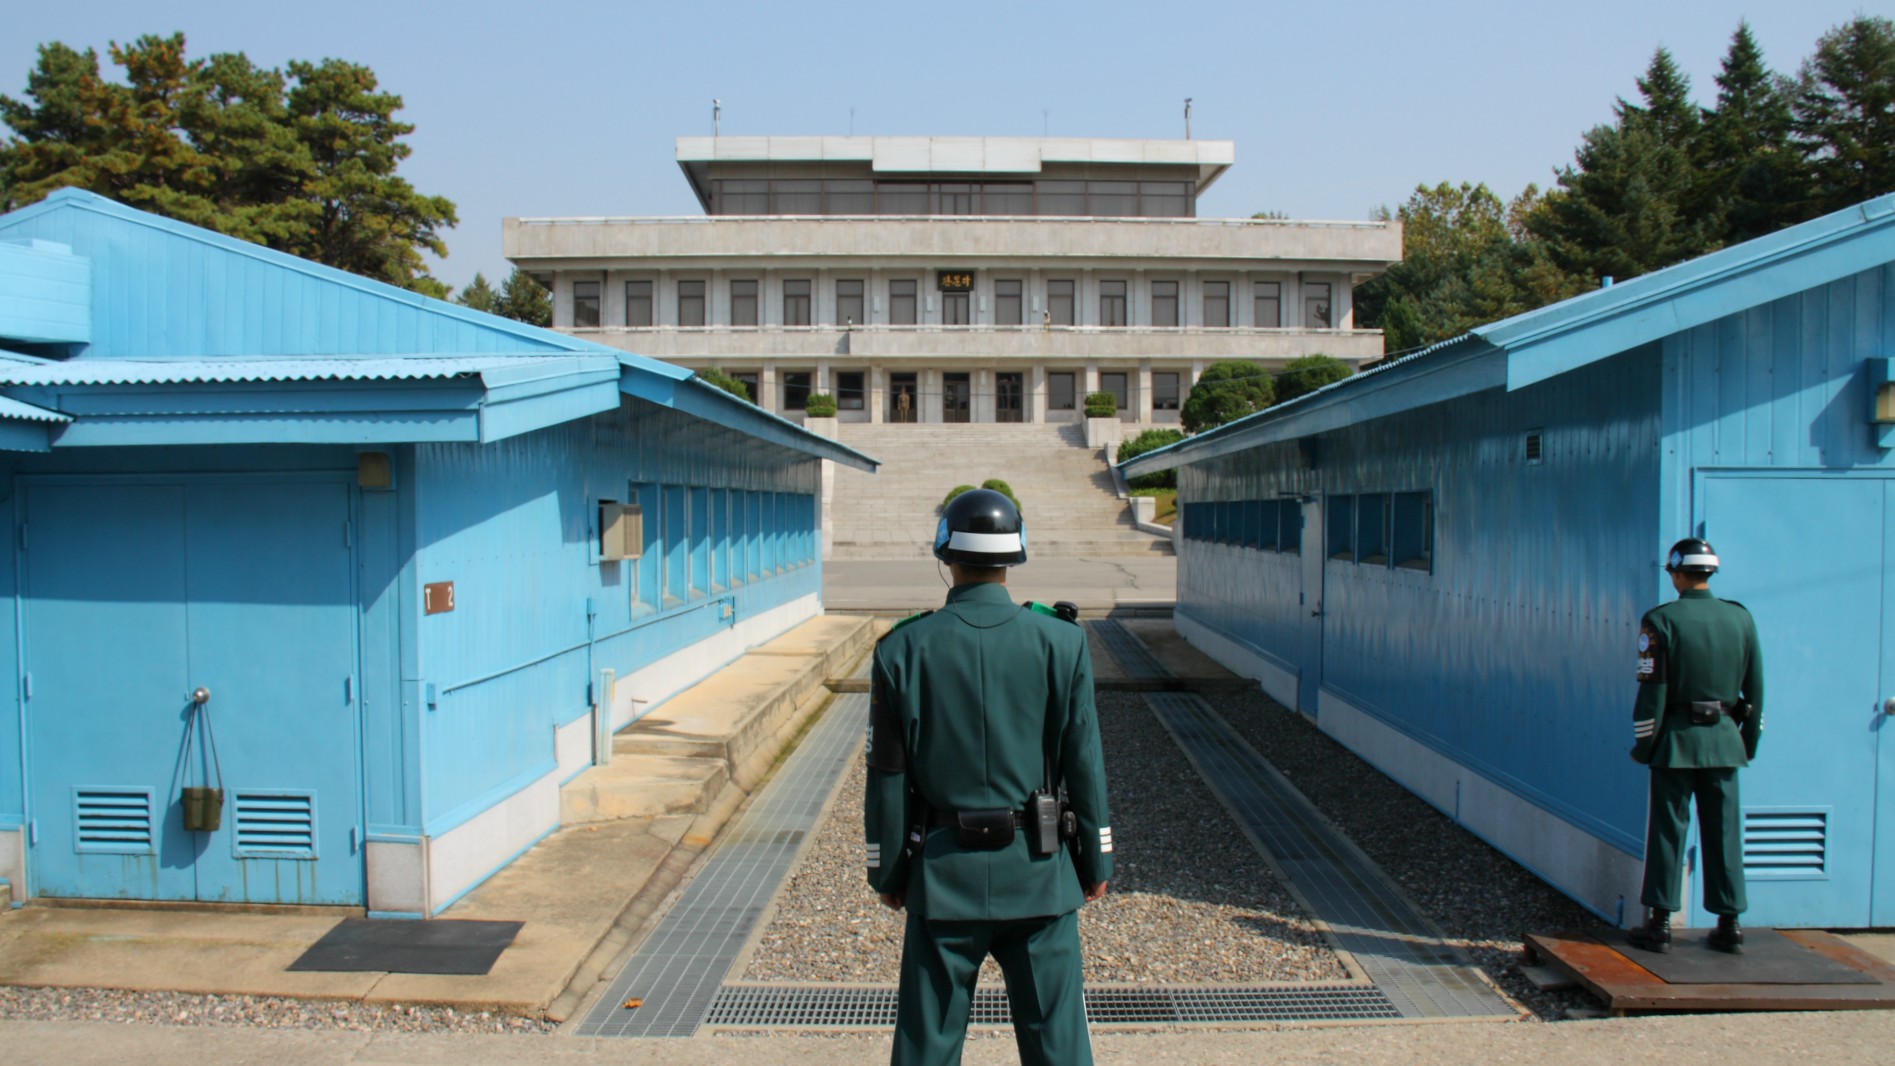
{"x":1696,"y":722}
{"x":986,"y":809}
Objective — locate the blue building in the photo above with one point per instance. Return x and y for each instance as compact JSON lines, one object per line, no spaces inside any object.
{"x":1443,"y":561}
{"x":391,"y":539}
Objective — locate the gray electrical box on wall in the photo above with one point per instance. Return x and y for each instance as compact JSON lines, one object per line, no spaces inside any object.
{"x":621,"y":531}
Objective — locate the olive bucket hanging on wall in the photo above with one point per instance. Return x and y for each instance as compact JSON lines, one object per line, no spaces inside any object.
{"x":203,"y":805}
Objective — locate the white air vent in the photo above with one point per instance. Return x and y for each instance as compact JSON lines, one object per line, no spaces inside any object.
{"x":112,"y":820}
{"x":274,"y":825}
{"x":1786,"y":843}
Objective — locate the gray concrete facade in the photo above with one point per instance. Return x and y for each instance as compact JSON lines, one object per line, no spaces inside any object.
{"x":821,"y":285}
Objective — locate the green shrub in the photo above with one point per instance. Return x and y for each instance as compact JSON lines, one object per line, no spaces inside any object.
{"x":1003,"y":489}
{"x":1226,"y":392}
{"x":1101,"y":405}
{"x":820,"y":405}
{"x":724,"y":381}
{"x":1148,"y":441}
{"x":955,"y":491}
{"x":1307,"y":374}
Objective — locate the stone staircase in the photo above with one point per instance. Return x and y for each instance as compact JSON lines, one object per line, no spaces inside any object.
{"x":1065,"y":489}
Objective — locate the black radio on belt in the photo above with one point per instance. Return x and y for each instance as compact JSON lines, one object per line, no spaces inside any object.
{"x":1042,"y":822}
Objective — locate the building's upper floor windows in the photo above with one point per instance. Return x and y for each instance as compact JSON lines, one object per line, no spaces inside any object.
{"x":1164,"y":303}
{"x":855,"y":196}
{"x":638,"y":304}
{"x":1112,"y":303}
{"x":901,"y":302}
{"x":1316,"y":305}
{"x":796,"y":301}
{"x":1060,"y":305}
{"x":743,"y":302}
{"x":691,"y":303}
{"x":1009,"y":302}
{"x":849,"y":302}
{"x":1269,"y":310}
{"x":1216,"y":304}
{"x":585,"y":304}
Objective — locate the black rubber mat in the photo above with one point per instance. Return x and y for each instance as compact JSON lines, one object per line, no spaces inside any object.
{"x":1769,"y":958}
{"x":396,"y":946}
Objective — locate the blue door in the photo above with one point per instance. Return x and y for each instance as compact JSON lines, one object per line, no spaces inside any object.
{"x":137,"y":594}
{"x":1805,"y":554}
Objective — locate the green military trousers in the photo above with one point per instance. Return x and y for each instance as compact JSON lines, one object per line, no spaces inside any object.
{"x":1039,"y":958}
{"x":1720,"y":830}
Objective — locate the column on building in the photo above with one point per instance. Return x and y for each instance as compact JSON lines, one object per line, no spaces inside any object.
{"x":766,"y":385}
{"x":877,"y":384}
{"x":1144,"y":391}
{"x":1036,"y":393}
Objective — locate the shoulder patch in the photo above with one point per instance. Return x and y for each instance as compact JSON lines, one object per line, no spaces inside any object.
{"x":1651,"y":655}
{"x":911,"y":618}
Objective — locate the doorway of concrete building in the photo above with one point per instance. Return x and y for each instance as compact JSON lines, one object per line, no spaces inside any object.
{"x":956,"y":398}
{"x":1008,"y":389}
{"x":904,"y":398}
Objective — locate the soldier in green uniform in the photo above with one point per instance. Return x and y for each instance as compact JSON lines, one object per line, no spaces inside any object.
{"x":979,"y":713}
{"x":1697,"y":721}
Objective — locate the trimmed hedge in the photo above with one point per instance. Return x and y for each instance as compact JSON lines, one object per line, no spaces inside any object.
{"x":1101,"y":405}
{"x":717,"y":377}
{"x":993,"y":483}
{"x":1150,"y":440}
{"x":820,"y":405}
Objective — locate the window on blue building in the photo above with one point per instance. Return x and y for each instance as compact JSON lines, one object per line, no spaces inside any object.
{"x":1413,"y":522}
{"x":720,"y":539}
{"x":1290,"y":526}
{"x":1269,"y":514}
{"x":700,"y":541}
{"x":1371,"y":529}
{"x":1341,"y":528}
{"x":648,"y":571}
{"x":677,"y":546}
{"x":753,"y":534}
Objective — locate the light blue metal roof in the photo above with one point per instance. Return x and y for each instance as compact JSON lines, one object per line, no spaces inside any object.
{"x":1531,"y":347}
{"x":367,"y":368}
{"x":176,"y":305}
{"x":26,"y":412}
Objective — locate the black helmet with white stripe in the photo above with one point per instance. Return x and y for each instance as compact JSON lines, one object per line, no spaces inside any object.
{"x":980,"y":527}
{"x":1691,"y":556}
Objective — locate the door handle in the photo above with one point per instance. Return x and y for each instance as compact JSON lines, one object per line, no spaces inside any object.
{"x":1888,"y":706}
{"x":201,"y":696}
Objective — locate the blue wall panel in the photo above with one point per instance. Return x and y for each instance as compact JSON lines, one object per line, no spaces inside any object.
{"x":514,"y":525}
{"x":1508,"y":657}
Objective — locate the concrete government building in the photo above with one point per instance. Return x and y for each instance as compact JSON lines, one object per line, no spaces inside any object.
{"x":958,"y":279}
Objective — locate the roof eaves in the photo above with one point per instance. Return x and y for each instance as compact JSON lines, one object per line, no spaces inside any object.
{"x":694,"y":396}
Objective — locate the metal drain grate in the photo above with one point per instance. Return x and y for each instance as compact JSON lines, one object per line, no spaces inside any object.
{"x":680,"y":966}
{"x":873,"y":1007}
{"x":1402,"y":951}
{"x":1127,"y":650}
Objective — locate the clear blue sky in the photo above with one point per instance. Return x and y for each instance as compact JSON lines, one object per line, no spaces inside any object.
{"x":570,"y":108}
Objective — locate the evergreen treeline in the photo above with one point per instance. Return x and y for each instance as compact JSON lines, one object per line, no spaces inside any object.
{"x":1667,"y":180}
{"x":301,"y":160}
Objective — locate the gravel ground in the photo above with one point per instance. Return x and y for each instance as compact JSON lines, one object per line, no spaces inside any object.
{"x":255,"y":1012}
{"x":1191,"y":902}
{"x":1481,"y":899}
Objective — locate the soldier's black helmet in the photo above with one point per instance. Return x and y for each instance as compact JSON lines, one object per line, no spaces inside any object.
{"x":1691,"y":556}
{"x":980,"y":527}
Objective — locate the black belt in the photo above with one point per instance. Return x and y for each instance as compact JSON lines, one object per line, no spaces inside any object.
{"x":952,"y":819}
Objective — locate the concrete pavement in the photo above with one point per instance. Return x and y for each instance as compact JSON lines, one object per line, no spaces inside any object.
{"x":1700,"y":1040}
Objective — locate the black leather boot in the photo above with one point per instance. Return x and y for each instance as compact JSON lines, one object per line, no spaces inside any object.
{"x":1727,"y":936}
{"x":1655,"y":934}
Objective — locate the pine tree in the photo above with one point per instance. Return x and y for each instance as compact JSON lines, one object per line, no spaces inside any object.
{"x":1844,"y":107}
{"x":1751,"y":173}
{"x":525,"y":300}
{"x":479,"y":295}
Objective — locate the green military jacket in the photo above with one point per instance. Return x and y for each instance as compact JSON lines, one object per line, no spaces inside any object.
{"x":1697,"y":647}
{"x":965,"y":705}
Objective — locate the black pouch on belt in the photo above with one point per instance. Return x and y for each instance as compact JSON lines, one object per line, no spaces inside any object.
{"x":984,"y":829}
{"x":1706,"y":712}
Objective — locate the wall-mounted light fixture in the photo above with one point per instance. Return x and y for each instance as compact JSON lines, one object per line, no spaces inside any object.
{"x":1882,"y":400}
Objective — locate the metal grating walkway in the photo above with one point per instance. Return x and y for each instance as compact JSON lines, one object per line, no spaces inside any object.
{"x":1399,"y":948}
{"x":679,"y":968}
{"x":1127,"y":650}
{"x":873,"y":1006}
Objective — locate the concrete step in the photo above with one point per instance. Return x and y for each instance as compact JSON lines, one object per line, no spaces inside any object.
{"x":642,"y":786}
